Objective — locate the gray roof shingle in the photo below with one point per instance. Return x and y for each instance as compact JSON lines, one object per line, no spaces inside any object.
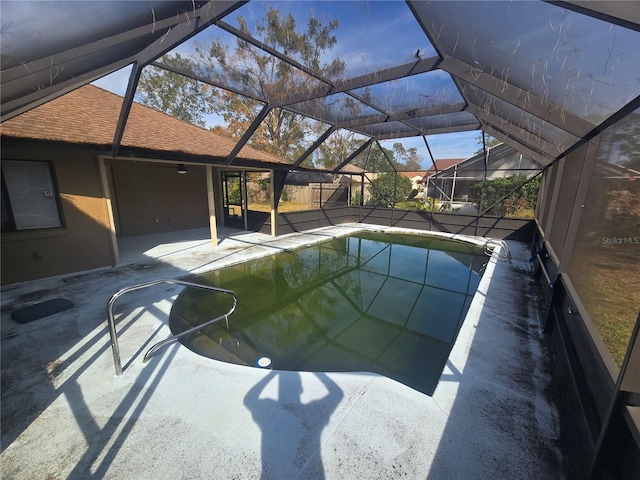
{"x":89,"y":115}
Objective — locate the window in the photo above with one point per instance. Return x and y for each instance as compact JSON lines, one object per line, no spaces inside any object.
{"x":29,"y":198}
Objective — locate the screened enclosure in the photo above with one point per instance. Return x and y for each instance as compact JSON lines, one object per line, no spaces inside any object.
{"x":428,"y":71}
{"x":333,"y":87}
{"x":501,"y":183}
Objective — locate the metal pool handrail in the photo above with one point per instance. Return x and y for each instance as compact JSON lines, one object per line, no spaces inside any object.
{"x":115,"y":347}
{"x":504,"y":254}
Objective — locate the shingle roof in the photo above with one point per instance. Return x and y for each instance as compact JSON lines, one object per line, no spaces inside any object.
{"x":351,"y":168}
{"x":412,"y":174}
{"x":89,"y":115}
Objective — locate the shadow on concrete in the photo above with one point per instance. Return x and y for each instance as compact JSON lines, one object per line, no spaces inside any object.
{"x":291,"y":430}
{"x":502,"y":420}
{"x":49,"y":359}
{"x":47,"y":364}
{"x":106,"y":442}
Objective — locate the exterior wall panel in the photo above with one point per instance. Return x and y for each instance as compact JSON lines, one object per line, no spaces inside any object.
{"x":83,"y":242}
{"x":154,"y":198}
{"x":571,"y":177}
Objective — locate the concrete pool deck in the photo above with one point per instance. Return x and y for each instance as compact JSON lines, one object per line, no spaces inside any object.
{"x":65,"y":413}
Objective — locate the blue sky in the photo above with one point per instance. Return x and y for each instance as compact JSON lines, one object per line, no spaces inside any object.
{"x":371,"y":35}
{"x":394,"y":37}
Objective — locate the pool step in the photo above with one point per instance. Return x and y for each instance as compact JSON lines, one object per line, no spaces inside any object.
{"x":219,"y":345}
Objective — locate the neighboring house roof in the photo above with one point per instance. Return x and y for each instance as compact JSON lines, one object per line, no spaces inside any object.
{"x":411,"y":175}
{"x":89,"y":116}
{"x":441,"y":165}
{"x":502,"y":160}
{"x":350,"y":168}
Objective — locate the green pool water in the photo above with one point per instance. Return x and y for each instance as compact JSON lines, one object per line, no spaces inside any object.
{"x":374,"y":302}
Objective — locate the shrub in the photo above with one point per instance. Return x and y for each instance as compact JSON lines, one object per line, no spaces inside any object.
{"x":495,"y":191}
{"x":388,"y":189}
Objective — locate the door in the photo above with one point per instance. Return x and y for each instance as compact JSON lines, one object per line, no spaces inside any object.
{"x":233,"y":189}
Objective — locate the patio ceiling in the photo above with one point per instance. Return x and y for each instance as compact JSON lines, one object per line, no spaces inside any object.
{"x":543,"y":77}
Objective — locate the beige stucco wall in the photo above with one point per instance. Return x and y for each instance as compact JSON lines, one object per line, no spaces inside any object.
{"x":83,"y":242}
{"x":153,"y":198}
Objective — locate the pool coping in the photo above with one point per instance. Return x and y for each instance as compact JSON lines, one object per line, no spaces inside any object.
{"x":67,"y":414}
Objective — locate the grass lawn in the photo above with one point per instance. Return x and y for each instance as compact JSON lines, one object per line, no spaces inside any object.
{"x":282,"y":207}
{"x":410,"y":205}
{"x":609,"y":286}
{"x":416,"y":204}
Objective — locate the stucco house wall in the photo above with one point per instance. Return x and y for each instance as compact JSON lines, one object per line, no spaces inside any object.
{"x":83,"y":241}
{"x":152,"y":197}
{"x":138,"y":192}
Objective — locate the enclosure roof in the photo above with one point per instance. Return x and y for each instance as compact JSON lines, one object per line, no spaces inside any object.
{"x":440,"y":165}
{"x":478,"y":165}
{"x":89,"y":115}
{"x":543,"y":77}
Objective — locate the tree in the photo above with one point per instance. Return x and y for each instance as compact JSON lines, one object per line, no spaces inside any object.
{"x":409,"y":160}
{"x":375,"y":160}
{"x":388,"y":189}
{"x":263,"y":76}
{"x":335,"y":149}
{"x":490,"y":142}
{"x":174,"y":94}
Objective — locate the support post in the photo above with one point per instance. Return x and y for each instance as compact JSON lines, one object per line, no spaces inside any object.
{"x":274,"y":204}
{"x":104,"y":179}
{"x":484,"y":179}
{"x":213,"y":228}
{"x":245,"y":199}
{"x":453,"y":187}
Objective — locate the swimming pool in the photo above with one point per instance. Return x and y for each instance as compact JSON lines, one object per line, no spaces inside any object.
{"x":372,"y":302}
